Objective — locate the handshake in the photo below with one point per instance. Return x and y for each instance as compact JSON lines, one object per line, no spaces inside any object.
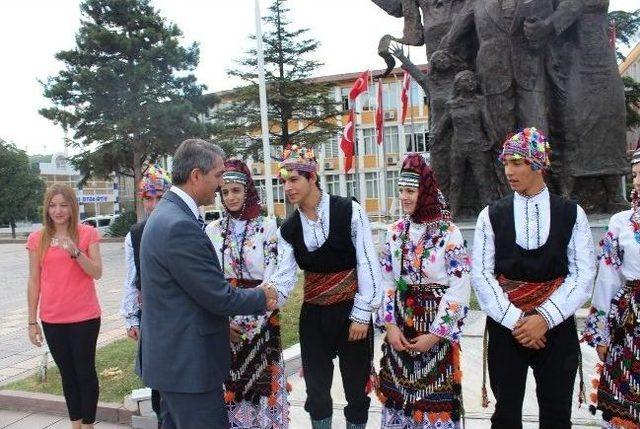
{"x":271,"y":296}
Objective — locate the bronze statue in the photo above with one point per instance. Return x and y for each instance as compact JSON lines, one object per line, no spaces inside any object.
{"x":542,"y":63}
{"x":472,"y":142}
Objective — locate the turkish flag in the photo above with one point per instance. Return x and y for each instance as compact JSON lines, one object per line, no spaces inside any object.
{"x":346,"y":143}
{"x":359,"y":86}
{"x":379,"y":114}
{"x":404,"y":96}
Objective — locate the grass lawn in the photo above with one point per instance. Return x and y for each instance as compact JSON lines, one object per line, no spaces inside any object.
{"x":114,"y":361}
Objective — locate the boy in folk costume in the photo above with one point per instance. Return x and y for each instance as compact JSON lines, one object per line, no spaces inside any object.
{"x":534,"y":266}
{"x":329,"y":238}
{"x":155,"y":182}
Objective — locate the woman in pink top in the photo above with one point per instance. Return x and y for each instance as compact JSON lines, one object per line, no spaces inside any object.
{"x":64,"y":261}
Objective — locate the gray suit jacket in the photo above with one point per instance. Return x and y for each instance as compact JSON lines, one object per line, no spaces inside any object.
{"x":186,"y":303}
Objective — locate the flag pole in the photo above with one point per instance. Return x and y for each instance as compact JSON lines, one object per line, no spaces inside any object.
{"x":384,"y":151}
{"x":264,"y":121}
{"x":356,"y":179}
{"x":413,"y":135}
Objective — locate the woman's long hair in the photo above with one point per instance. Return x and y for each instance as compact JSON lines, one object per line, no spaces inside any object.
{"x":48,"y":228}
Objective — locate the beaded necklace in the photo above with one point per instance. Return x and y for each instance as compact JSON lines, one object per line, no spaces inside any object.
{"x":433,"y":227}
{"x":414,"y":308}
{"x":635,"y":217}
{"x":226,"y":234}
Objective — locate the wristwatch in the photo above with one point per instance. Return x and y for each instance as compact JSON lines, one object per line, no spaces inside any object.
{"x":75,"y":254}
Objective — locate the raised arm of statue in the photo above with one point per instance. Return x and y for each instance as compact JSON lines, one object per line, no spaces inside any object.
{"x":418,"y":75}
{"x":413,"y":31}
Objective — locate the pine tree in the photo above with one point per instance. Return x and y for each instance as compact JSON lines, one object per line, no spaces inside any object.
{"x":126,"y":91}
{"x":22,"y":189}
{"x":627,"y":25}
{"x":291,"y":93}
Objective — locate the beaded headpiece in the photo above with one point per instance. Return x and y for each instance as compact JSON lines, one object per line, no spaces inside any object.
{"x":431,"y":205}
{"x":529,"y":144}
{"x":635,"y":158}
{"x":232,"y":176}
{"x":297,"y":158}
{"x":236,"y":171}
{"x":154,"y":181}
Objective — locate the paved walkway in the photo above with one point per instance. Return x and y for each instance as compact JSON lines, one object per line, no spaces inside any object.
{"x":18,"y":357}
{"x":477,"y":417}
{"x":26,"y":420}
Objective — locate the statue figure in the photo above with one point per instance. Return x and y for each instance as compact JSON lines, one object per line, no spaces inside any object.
{"x":472,"y":142}
{"x":426,"y":22}
{"x":513,"y":36}
{"x":438,"y":87}
{"x":595,"y":128}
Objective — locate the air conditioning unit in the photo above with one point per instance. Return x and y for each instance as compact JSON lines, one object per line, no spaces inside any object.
{"x":256,"y":170}
{"x":329,"y":165}
{"x":392,"y":159}
{"x":389,"y":115}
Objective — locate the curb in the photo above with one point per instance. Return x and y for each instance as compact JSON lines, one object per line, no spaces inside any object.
{"x":46,"y":403}
{"x":24,"y":240}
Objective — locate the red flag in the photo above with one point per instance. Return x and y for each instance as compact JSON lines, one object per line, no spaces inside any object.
{"x":404,"y":96}
{"x":346,"y":144}
{"x":612,"y":34}
{"x":379,"y":114}
{"x":359,"y":86}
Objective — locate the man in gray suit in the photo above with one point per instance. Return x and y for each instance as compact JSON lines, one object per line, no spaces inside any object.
{"x":187,"y":301}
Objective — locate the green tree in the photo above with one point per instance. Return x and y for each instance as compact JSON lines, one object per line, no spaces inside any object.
{"x":22,"y":189}
{"x":632,"y":98}
{"x":291,"y":94}
{"x":126,"y":91}
{"x":627,"y":25}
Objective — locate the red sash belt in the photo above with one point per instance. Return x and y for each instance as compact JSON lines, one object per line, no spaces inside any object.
{"x":329,"y":288}
{"x":528,"y":295}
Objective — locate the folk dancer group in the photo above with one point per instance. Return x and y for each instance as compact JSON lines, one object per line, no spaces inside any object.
{"x":533,"y":267}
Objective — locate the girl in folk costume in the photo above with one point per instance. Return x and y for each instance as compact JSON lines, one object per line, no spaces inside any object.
{"x":427,"y":286}
{"x":613,"y":324}
{"x":246,"y":245}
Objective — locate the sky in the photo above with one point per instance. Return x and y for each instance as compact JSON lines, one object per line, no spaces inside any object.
{"x":32,"y":31}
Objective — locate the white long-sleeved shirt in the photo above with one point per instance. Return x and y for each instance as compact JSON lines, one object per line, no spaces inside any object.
{"x":130,"y":306}
{"x":532,"y":218}
{"x":315,"y":233}
{"x":618,"y":261}
{"x":446,"y":263}
{"x":258,"y":259}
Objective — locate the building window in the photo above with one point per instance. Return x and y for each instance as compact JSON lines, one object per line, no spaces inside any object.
{"x":371,"y":182}
{"x":278,"y":191}
{"x":332,"y":182}
{"x":417,"y":137}
{"x":368,"y":99}
{"x":391,"y":140}
{"x":369,"y":137}
{"x":390,"y":95}
{"x":344,"y":96}
{"x":416,"y":93}
{"x":332,"y":148}
{"x":351,"y":185}
{"x":392,"y":184}
{"x":261,"y":191}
